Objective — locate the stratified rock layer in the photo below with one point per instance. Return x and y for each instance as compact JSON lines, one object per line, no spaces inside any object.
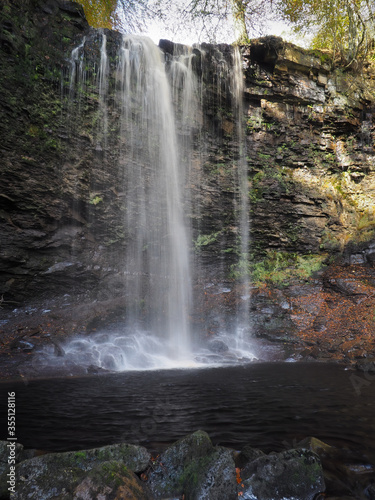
{"x":310,"y":156}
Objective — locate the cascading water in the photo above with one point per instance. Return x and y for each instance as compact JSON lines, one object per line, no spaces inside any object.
{"x":228,"y":85}
{"x":103,"y":89}
{"x":157,"y":256}
{"x":76,"y":66}
{"x":156,"y":269}
{"x":158,"y":105}
{"x":243,"y":317}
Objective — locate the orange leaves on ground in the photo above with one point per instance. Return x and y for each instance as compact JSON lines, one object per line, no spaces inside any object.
{"x":239,"y":480}
{"x":238,"y":476}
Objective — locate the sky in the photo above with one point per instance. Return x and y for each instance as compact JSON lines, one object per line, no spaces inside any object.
{"x":157,"y":30}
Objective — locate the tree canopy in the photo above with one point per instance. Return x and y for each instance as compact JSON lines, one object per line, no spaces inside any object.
{"x":346,"y":27}
{"x":126,"y":15}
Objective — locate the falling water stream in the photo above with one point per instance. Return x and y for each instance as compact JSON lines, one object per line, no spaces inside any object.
{"x":158,"y":102}
{"x":157,"y":257}
{"x":243,"y":317}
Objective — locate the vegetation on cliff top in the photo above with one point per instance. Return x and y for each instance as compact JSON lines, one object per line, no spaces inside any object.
{"x":345,"y":27}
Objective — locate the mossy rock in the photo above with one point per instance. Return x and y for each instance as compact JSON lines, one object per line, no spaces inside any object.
{"x":193,"y":467}
{"x":111,"y":480}
{"x":56,"y":475}
{"x":167,"y":477}
{"x":290,"y":474}
{"x":211,"y":477}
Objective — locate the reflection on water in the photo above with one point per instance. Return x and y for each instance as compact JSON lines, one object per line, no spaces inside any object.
{"x":270,"y":405}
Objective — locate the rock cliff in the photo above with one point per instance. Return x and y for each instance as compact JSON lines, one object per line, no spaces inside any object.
{"x":309,"y":147}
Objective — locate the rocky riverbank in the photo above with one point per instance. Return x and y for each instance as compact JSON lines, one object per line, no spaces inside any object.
{"x":191,"y":468}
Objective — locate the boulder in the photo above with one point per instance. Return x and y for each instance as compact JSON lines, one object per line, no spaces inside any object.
{"x":195,"y":468}
{"x":218,"y":346}
{"x":110,"y":480}
{"x":59,"y":474}
{"x":248,"y":454}
{"x":212,"y":477}
{"x":289,"y":475}
{"x":4,"y":455}
{"x":166,"y":477}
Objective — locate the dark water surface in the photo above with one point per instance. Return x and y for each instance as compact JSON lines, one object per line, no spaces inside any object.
{"x":270,"y":405}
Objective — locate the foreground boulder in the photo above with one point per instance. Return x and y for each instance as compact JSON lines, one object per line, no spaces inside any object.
{"x":194,"y":467}
{"x":110,"y":480}
{"x":5,"y":454}
{"x":68,"y":475}
{"x":287,"y":475}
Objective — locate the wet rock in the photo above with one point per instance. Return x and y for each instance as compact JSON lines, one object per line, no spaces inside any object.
{"x":367,"y":366}
{"x":314,"y":444}
{"x":105,"y":480}
{"x":58,"y":349}
{"x":346,"y":472}
{"x":110,"y":480}
{"x":248,"y":454}
{"x":289,"y":474}
{"x":57,"y":474}
{"x":24,"y":345}
{"x":5,"y":453}
{"x":166,"y":478}
{"x":346,"y":287}
{"x":193,"y":467}
{"x":218,"y":346}
{"x":211,"y":478}
{"x":370,"y":492}
{"x":136,"y":458}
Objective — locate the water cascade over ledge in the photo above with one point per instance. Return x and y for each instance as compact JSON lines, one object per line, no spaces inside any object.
{"x":158,"y":100}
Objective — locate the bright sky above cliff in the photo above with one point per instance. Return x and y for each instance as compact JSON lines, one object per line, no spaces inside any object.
{"x":158,"y":30}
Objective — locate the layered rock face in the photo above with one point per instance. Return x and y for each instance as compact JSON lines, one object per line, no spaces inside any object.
{"x":307,"y":136}
{"x":311,"y":137}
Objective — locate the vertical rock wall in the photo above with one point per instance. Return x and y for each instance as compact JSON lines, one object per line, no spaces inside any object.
{"x":309,"y":147}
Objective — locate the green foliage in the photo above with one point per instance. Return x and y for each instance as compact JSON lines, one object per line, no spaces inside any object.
{"x":205,"y":239}
{"x":365,"y":222}
{"x":95,"y":200}
{"x":279,"y":268}
{"x":256,"y":191}
{"x":127,"y":15}
{"x":345,"y":27}
{"x":268,"y":171}
{"x":80,"y":455}
{"x":33,"y":131}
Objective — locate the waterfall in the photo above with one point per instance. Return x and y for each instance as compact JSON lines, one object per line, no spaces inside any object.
{"x":103,"y":74}
{"x":147,"y":112}
{"x":77,"y":75}
{"x":76,"y":60}
{"x":243,"y":318}
{"x":157,"y":257}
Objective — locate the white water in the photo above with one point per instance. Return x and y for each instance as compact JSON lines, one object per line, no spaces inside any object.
{"x":76,"y":67}
{"x":154,"y":103}
{"x":157,"y":257}
{"x":243,"y":316}
{"x":103,"y":74}
{"x":131,"y":349}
